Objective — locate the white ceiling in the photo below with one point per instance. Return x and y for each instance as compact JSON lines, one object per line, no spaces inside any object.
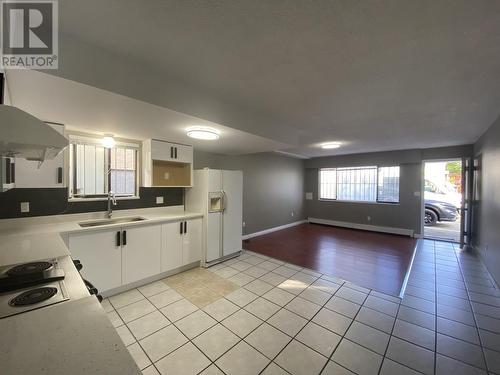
{"x":85,"y":108}
{"x":378,"y":75}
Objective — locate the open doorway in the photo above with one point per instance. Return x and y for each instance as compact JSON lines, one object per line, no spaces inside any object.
{"x":443,"y":190}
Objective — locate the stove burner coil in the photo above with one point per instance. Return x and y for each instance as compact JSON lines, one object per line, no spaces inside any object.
{"x":33,"y":296}
{"x":28,"y":269}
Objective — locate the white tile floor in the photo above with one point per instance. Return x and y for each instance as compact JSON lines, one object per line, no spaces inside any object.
{"x":288,"y":320}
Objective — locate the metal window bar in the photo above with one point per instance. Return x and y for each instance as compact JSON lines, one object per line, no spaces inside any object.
{"x":362,"y":184}
{"x":388,"y":184}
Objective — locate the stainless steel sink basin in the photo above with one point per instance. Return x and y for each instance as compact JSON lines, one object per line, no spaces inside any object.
{"x":118,"y":220}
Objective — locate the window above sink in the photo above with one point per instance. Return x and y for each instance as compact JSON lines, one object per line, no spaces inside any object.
{"x":94,"y":169}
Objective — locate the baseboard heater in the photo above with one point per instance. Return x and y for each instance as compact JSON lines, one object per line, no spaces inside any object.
{"x":372,"y":228}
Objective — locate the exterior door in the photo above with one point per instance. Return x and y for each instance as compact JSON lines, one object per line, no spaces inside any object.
{"x":465,"y":214}
{"x":232,"y":217}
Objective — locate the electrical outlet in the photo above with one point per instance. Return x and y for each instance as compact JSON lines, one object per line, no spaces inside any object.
{"x":25,"y":207}
{"x":369,"y":218}
{"x":309,"y":196}
{"x":293,"y":213}
{"x":244,"y":224}
{"x":166,"y":176}
{"x":159,"y":200}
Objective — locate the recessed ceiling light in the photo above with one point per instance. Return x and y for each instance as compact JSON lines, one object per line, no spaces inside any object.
{"x":330,"y":145}
{"x":108,"y":141}
{"x":203,"y":132}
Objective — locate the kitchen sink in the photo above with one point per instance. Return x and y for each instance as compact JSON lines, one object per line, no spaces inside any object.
{"x":118,"y":220}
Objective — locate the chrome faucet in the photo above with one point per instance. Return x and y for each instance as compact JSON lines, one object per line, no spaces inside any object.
{"x":111,"y":203}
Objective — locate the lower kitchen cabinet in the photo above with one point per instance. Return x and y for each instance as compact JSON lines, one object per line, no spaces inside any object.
{"x":171,"y":246}
{"x":115,"y":257}
{"x":101,"y":257}
{"x":141,"y":248}
{"x":181,"y":244}
{"x":192,"y":241}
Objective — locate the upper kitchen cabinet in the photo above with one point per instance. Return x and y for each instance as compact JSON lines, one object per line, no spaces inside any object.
{"x":166,"y":164}
{"x":49,"y":174}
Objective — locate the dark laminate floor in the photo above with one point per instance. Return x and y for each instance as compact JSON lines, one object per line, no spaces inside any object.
{"x":374,"y":260}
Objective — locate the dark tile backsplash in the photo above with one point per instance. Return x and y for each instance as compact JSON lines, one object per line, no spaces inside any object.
{"x":54,"y":201}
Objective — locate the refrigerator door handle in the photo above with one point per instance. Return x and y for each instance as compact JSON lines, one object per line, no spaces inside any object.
{"x":224,"y":201}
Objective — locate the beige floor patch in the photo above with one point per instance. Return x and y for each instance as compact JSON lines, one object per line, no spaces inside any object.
{"x":200,"y":287}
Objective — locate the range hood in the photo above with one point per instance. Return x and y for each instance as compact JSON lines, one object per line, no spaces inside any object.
{"x":24,"y":136}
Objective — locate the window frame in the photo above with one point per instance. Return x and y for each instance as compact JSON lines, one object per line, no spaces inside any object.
{"x":376,"y":201}
{"x":72,"y":174}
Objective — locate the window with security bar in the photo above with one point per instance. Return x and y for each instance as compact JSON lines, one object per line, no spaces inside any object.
{"x":360,"y":184}
{"x":96,"y":170}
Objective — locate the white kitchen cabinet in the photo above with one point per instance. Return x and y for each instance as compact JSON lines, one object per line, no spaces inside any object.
{"x":192,"y":241}
{"x":166,"y":164}
{"x":168,"y":151}
{"x":101,"y":257}
{"x":141,"y":247}
{"x":171,"y":246}
{"x":181,"y":243}
{"x":115,"y":257}
{"x":50,"y":174}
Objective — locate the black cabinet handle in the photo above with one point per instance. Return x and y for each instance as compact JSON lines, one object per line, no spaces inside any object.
{"x":181,"y":231}
{"x":171,"y":152}
{"x":185,"y":227}
{"x":118,"y":239}
{"x":124,"y":235}
{"x":176,"y":152}
{"x":59,"y":175}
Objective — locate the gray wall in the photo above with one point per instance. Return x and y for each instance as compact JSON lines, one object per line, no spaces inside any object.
{"x":273,"y":187}
{"x":486,"y":202}
{"x":406,"y":215}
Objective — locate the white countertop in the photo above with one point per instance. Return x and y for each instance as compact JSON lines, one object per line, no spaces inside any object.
{"x":28,"y":239}
{"x":73,"y":337}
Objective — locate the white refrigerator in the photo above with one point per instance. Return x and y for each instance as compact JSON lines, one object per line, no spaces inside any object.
{"x":218,"y":194}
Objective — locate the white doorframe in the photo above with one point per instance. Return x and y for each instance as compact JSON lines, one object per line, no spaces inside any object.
{"x":422,"y":189}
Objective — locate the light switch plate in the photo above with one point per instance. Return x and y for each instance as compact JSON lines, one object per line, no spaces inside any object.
{"x":159,"y":200}
{"x":25,"y":207}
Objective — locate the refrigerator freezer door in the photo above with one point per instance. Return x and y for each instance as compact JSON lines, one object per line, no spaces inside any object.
{"x":232,"y":217}
{"x":214,"y":180}
{"x":214,"y":230}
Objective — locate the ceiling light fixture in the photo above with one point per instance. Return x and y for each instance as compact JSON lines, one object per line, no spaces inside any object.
{"x":330,"y":145}
{"x":203,"y":132}
{"x":108,"y":141}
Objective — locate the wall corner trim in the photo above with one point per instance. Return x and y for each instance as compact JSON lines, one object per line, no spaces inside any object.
{"x":274,"y":229}
{"x":373,"y":228}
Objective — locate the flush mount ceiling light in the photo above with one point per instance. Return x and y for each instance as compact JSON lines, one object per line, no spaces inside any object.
{"x":108,"y":141}
{"x":330,"y":145}
{"x":203,"y":132}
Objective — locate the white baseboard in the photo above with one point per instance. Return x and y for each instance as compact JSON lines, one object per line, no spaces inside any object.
{"x":270,"y":230}
{"x":373,"y":228}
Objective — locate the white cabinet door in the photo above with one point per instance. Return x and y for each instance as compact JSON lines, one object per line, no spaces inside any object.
{"x":192,"y":241}
{"x":184,"y":153}
{"x":100,"y":256}
{"x":171,"y":246}
{"x":141,"y":248}
{"x":161,"y":150}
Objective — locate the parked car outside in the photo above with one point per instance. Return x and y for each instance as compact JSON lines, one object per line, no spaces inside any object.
{"x":441,"y":203}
